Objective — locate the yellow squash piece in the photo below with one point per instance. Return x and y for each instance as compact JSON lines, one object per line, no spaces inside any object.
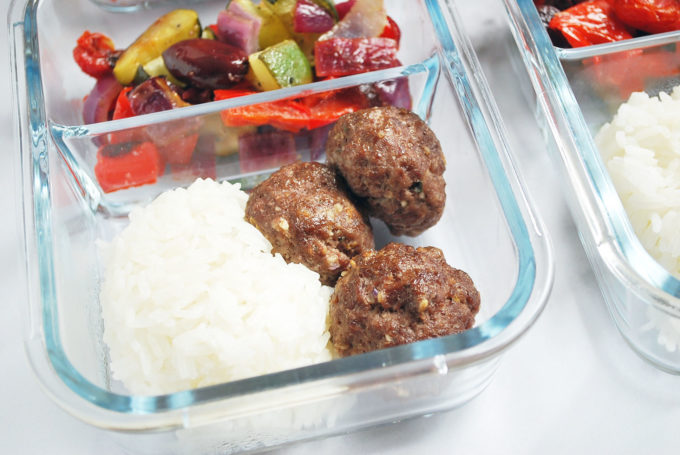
{"x":272,"y":30}
{"x":175,"y":26}
{"x":284,"y":12}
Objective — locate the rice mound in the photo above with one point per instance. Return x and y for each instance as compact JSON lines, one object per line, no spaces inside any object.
{"x":641,"y":149}
{"x":192,"y":296}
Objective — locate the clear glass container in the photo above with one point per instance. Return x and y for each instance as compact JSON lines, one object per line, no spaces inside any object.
{"x":578,"y":91}
{"x":489,"y":229}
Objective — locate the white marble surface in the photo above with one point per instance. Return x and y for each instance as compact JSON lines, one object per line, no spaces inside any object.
{"x":571,"y":385}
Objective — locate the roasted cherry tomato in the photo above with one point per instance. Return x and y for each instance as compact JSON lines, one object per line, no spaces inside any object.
{"x":651,"y":16}
{"x":94,"y":54}
{"x":588,"y":23}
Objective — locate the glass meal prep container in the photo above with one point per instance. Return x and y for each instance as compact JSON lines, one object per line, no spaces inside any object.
{"x":489,"y":229}
{"x":579,"y":90}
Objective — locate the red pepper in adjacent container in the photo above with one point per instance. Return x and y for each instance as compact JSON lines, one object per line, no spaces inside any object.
{"x":591,"y":22}
{"x":651,"y":16}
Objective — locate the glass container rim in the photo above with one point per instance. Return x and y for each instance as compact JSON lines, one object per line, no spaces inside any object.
{"x":483,"y":341}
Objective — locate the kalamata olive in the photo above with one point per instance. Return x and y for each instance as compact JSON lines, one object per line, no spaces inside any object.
{"x":195,"y":95}
{"x":206,"y":63}
{"x":154,"y":95}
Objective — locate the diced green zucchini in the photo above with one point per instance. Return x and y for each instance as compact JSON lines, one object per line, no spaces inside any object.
{"x":175,"y":26}
{"x":281,"y":65}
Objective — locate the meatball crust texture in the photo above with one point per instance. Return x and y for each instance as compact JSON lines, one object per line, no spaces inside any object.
{"x":390,"y":157}
{"x":307,"y":213}
{"x":398,"y":295}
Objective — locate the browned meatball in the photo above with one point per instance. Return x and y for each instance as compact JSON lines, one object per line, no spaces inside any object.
{"x":398,"y":295}
{"x":393,"y":159}
{"x":307,"y":213}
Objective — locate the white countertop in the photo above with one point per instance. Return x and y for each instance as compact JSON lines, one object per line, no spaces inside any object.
{"x":570,"y":385}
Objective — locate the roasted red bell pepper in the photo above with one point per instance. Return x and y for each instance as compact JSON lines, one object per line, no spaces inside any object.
{"x":93,"y":54}
{"x":123,"y":108}
{"x":121,"y":166}
{"x":588,"y":23}
{"x":326,"y":108}
{"x":121,"y":111}
{"x":651,"y":16}
{"x":288,"y":115}
{"x":345,"y":56}
{"x":309,"y":112}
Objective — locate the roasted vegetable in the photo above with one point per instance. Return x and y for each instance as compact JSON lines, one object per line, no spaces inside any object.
{"x":175,"y":26}
{"x":588,"y":23}
{"x":344,"y":56}
{"x":281,"y":65}
{"x":284,"y":10}
{"x":154,"y":95}
{"x":239,"y":25}
{"x":328,"y":5}
{"x":311,"y":18}
{"x":154,"y":68}
{"x":126,"y":165}
{"x":651,"y":16}
{"x":365,"y":19}
{"x":208,"y":33}
{"x":95,"y":54}
{"x":100,"y":103}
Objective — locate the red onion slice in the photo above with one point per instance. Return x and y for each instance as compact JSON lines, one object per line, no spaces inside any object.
{"x":101,"y":101}
{"x":311,"y":18}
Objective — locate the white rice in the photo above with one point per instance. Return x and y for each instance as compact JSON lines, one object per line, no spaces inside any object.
{"x":192,"y":296}
{"x":641,"y":149}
